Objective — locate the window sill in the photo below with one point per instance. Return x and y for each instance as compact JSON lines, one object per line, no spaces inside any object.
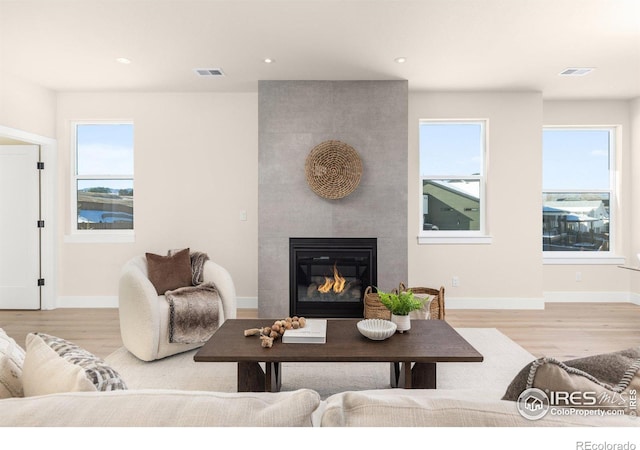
{"x":100,"y":238}
{"x":582,"y":260}
{"x":465,"y":240}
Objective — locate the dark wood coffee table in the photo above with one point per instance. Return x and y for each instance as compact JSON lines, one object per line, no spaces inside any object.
{"x":412,"y":355}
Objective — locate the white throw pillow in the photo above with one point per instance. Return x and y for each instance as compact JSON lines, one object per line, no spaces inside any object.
{"x":11,"y":361}
{"x":53,"y":365}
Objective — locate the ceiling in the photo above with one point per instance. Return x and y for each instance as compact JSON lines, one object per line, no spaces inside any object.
{"x":450,"y":45}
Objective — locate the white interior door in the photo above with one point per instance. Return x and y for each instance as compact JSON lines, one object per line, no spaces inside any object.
{"x":19,"y":233}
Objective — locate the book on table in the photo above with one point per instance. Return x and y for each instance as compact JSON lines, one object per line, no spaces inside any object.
{"x":314,"y":332}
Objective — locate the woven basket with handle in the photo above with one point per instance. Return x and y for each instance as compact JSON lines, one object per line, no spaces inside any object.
{"x":373,"y":309}
{"x":437,"y":304}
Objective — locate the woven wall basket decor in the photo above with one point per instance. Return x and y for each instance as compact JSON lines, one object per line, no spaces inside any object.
{"x":333,"y":169}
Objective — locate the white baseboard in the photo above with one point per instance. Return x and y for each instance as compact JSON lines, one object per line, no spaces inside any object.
{"x":81,"y":301}
{"x":247,"y":302}
{"x":513,"y":303}
{"x":589,"y":297}
{"x":451,"y":302}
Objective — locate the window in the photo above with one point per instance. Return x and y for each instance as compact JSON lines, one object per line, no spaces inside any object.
{"x":578,"y":190}
{"x":452,"y":180}
{"x":103,"y":178}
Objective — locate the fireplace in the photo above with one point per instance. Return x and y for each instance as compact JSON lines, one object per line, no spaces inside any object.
{"x":328,"y":276}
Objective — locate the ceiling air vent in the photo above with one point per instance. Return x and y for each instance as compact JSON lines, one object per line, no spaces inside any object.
{"x":209,"y":72}
{"x":576,"y":71}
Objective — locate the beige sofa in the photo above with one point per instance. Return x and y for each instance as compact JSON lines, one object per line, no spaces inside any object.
{"x":161,"y":408}
{"x":300,"y":408}
{"x":443,"y":408}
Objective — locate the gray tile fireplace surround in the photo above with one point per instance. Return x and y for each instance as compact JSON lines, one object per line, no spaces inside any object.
{"x":294,"y":117}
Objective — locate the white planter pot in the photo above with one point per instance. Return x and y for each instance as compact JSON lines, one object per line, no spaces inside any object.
{"x":403,"y":323}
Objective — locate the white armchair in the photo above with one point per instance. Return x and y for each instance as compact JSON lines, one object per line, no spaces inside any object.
{"x":144,"y":315}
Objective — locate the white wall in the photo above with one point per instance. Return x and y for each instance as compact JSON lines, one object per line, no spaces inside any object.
{"x":606,"y":279}
{"x":196,"y":163}
{"x":196,"y":168}
{"x":634,"y":118}
{"x":26,"y":106}
{"x":507,"y":272}
{"x":27,"y":114}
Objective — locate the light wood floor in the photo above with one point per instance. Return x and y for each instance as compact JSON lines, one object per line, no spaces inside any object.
{"x":561,"y":330}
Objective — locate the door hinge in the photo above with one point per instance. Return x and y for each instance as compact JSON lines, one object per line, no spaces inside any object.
{"x":40,"y":223}
{"x":40,"y":281}
{"x":40,"y":165}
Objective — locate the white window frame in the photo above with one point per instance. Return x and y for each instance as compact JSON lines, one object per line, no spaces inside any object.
{"x":457,"y":236}
{"x":589,"y":257}
{"x":93,"y":236}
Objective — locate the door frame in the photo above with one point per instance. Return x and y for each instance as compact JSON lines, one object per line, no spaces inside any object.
{"x":48,"y":201}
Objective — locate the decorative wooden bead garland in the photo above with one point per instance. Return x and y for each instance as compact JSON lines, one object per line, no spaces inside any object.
{"x":275,"y":331}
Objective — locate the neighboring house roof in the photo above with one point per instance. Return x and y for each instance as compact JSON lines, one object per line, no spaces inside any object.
{"x":580,"y":207}
{"x":455,"y":195}
{"x":460,"y":187}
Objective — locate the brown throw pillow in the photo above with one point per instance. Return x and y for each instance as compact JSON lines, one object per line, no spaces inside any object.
{"x":169,"y":272}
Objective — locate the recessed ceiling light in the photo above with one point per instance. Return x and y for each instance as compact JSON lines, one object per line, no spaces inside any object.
{"x":268,"y":60}
{"x":401,"y":60}
{"x":576,"y":71}
{"x":123,"y":60}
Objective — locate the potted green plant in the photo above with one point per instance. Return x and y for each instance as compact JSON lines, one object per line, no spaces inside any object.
{"x":400,"y":305}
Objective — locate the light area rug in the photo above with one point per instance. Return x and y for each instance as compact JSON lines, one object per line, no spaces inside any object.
{"x":503,"y":359}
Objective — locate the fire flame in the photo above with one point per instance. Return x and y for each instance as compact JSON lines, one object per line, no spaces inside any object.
{"x":326,"y":287}
{"x":336,"y":283}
